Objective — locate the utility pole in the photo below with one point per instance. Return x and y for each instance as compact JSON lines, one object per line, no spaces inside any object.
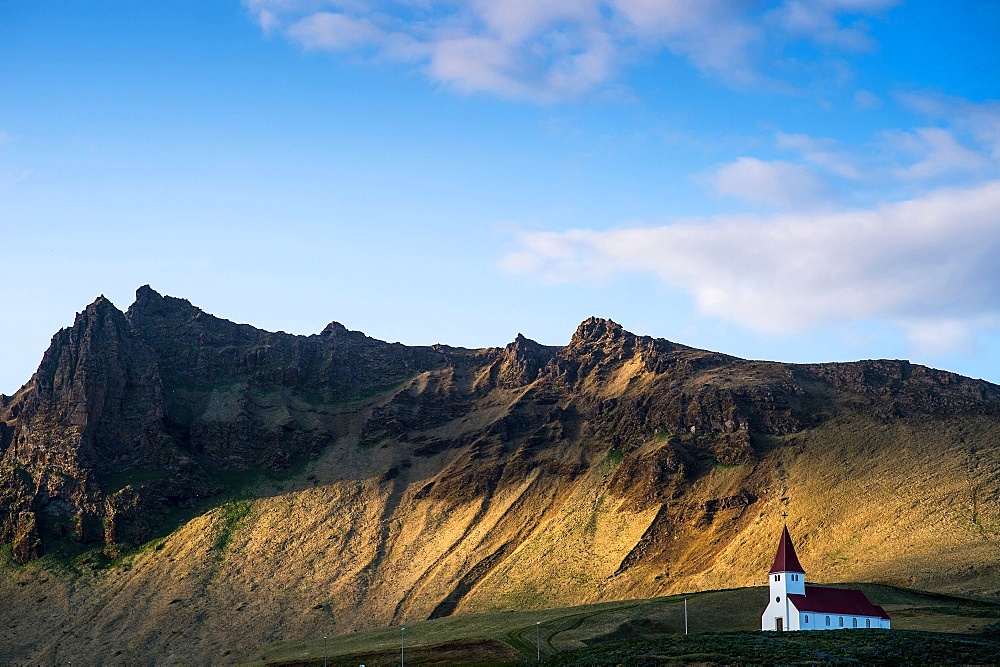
{"x":538,"y":641}
{"x":685,"y":615}
{"x":402,"y":647}
{"x":324,"y":650}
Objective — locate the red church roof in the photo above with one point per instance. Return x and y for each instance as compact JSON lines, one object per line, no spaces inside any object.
{"x":821,"y":600}
{"x":785,"y":559}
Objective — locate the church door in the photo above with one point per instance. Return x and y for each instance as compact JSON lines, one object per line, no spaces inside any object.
{"x":779,"y":623}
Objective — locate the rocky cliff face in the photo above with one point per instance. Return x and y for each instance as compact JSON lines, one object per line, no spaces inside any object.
{"x":132,"y":414}
{"x":94,"y":408}
{"x":419,"y":481}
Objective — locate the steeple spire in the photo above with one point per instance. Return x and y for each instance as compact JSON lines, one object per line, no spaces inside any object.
{"x":785,"y":559}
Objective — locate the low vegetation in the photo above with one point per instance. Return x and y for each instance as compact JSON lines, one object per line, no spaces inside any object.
{"x":723,"y":627}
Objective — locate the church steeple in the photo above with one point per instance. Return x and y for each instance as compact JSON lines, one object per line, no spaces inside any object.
{"x":785,"y":559}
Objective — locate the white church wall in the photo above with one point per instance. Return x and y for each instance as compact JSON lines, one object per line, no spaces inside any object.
{"x":846,"y":622}
{"x":774,"y":610}
{"x":794,"y":617}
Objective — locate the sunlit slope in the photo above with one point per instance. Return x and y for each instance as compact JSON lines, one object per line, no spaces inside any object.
{"x":295,"y":486}
{"x":343,"y":555}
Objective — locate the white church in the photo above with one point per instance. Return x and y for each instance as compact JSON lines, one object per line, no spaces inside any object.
{"x":795,"y":606}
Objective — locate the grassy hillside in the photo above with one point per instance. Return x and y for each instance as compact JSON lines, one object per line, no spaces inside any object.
{"x":233,"y":488}
{"x":338,"y":548}
{"x":653,"y":630}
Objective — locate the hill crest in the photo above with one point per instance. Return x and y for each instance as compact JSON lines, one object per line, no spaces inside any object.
{"x":417,"y":482}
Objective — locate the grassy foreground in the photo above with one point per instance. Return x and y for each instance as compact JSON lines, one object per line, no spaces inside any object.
{"x":723,"y":627}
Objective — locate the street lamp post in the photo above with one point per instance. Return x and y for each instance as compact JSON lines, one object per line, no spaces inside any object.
{"x":324,"y":650}
{"x":538,"y":641}
{"x":402,"y":647}
{"x":685,"y":615}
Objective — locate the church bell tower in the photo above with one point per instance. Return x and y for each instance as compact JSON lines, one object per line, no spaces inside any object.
{"x":785,"y":577}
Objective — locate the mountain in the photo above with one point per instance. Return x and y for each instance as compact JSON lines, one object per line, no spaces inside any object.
{"x":174,"y":484}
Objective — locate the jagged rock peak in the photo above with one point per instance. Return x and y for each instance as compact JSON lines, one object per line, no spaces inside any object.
{"x":523,"y":342}
{"x":100,"y":304}
{"x":335,"y":329}
{"x":146,"y":294}
{"x":338,"y":330}
{"x":95,"y":315}
{"x":594,"y":329}
{"x":521,"y":361}
{"x":148,"y":298}
{"x":151,"y":304}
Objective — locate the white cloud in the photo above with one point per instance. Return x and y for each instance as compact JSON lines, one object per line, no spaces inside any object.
{"x":772,"y":183}
{"x":820,"y":21}
{"x":821,"y":152}
{"x":939,"y":154}
{"x":332,"y":31}
{"x":546,"y":49}
{"x":980,"y":121}
{"x":712,"y":34}
{"x":928,"y":264}
{"x":944,"y":335}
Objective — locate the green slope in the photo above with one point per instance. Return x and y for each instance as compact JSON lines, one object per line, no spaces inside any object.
{"x":722,"y":625}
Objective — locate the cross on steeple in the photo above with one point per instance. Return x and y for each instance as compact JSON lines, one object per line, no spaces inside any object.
{"x":784,"y":515}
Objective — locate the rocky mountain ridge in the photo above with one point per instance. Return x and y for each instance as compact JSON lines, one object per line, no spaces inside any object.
{"x":432,"y":480}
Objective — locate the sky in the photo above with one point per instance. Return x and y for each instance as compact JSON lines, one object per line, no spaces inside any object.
{"x":791,"y":180}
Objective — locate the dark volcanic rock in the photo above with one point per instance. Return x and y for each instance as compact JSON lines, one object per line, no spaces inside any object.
{"x":94,"y":407}
{"x":897,"y":388}
{"x":131,"y":416}
{"x":27,"y":545}
{"x":522,"y":361}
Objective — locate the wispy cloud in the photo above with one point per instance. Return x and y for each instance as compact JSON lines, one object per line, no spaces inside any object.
{"x":822,"y":21}
{"x":823,"y":153}
{"x":979,"y":121}
{"x":10,"y":177}
{"x":927,"y":264}
{"x":964,"y":149}
{"x":775,"y":183}
{"x":938,"y":154}
{"x":866,"y":99}
{"x":549,"y":49}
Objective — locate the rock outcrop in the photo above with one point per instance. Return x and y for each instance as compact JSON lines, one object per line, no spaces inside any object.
{"x":133,"y":415}
{"x":381,"y":482}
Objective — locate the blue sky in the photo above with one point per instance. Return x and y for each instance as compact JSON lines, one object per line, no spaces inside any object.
{"x":795,"y":180}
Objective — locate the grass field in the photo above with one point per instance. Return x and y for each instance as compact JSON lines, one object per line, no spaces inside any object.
{"x":723,"y":627}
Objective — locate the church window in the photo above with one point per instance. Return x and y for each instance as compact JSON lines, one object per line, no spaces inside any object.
{"x":841,"y":621}
{"x":806,"y":620}
{"x":868,"y":622}
{"x":828,"y":621}
{"x":777,"y":599}
{"x":855,"y":622}
{"x":777,"y":577}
